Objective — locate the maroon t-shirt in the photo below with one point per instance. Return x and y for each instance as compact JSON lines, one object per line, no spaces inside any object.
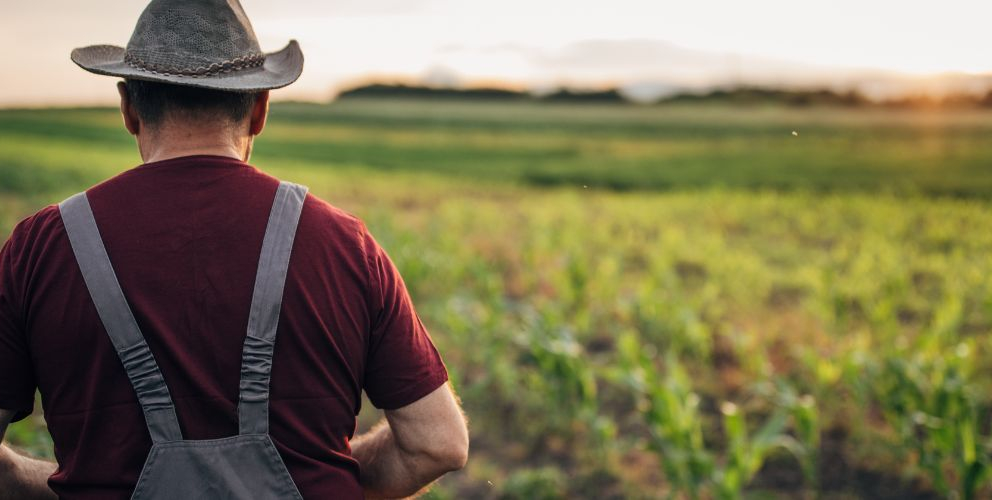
{"x":184,"y":237}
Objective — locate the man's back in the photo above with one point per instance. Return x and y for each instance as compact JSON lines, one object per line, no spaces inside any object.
{"x":184,"y":237}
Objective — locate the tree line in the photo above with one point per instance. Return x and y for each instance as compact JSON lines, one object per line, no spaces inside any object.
{"x":744,"y":95}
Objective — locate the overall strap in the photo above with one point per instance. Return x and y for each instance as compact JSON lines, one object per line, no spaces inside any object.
{"x":266,"y":301}
{"x":91,"y":255}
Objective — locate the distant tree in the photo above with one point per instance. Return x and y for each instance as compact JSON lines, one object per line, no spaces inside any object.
{"x":986,"y":100}
{"x":420,"y":92}
{"x":764,"y":95}
{"x":566,"y":95}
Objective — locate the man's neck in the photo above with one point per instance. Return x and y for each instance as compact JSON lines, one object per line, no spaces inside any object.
{"x":174,"y":141}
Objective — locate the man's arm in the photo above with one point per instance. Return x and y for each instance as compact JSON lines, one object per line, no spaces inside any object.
{"x":415,"y":445}
{"x":22,"y":477}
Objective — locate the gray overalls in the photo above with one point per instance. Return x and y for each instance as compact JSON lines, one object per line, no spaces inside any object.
{"x":237,"y":467}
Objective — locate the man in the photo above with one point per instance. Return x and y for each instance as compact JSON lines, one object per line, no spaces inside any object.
{"x":184,"y":233}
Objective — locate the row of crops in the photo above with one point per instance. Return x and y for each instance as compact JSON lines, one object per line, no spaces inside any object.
{"x":755,"y":340}
{"x":708,"y":345}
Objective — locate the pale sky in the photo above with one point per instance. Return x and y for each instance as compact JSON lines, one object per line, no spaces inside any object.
{"x":541,"y":43}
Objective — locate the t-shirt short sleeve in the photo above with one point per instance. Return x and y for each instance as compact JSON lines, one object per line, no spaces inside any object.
{"x":403,"y":364}
{"x":17,"y":381}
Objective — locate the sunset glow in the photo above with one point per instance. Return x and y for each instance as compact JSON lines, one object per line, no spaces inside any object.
{"x":547,"y":43}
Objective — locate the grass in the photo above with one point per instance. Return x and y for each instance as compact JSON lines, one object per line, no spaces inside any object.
{"x":601,"y":146}
{"x":653,"y":301}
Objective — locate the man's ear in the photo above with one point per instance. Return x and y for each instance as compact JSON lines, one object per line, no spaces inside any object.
{"x":131,"y":121}
{"x":259,"y":113}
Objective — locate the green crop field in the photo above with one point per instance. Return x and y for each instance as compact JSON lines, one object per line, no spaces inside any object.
{"x":653,"y":302}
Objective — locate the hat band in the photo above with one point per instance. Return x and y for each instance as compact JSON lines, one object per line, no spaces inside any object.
{"x":238,"y":64}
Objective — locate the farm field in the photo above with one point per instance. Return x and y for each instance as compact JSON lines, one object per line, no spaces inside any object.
{"x":647,"y":302}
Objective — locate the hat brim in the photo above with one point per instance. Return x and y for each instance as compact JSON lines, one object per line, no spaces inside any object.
{"x":280,"y":69}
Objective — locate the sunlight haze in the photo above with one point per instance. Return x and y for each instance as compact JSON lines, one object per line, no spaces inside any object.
{"x":881,"y":46}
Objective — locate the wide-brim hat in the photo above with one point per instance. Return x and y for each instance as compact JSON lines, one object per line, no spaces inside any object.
{"x":197,"y":43}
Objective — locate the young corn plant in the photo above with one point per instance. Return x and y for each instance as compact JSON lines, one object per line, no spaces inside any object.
{"x":671,"y":410}
{"x":806,"y":418}
{"x":746,"y":452}
{"x":566,"y":379}
{"x":926,"y":398}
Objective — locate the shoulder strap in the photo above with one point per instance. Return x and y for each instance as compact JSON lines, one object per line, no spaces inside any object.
{"x":118,"y":321}
{"x":266,"y":301}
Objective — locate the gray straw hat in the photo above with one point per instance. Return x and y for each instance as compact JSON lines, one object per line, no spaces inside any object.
{"x":197,"y":43}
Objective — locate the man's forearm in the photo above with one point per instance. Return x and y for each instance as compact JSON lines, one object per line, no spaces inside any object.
{"x":388,"y":472}
{"x":24,"y":478}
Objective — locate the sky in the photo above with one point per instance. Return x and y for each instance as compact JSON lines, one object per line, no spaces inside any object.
{"x":879,"y":46}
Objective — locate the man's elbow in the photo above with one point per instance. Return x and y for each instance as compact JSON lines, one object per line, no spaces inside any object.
{"x":432,"y":433}
{"x":452,"y":453}
{"x":459,"y":454}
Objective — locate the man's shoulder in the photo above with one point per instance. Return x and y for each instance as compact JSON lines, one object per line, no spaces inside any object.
{"x":36,"y":225}
{"x":329,"y":212}
{"x":333,"y":241}
{"x":32,"y":238}
{"x":322,"y":217}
